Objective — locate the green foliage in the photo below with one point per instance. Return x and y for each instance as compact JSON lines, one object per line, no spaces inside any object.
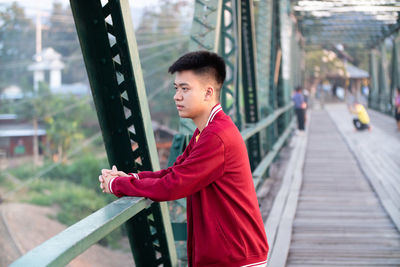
{"x":83,"y":171}
{"x":26,"y":171}
{"x":75,"y":202}
{"x":16,"y":45}
{"x":320,"y":63}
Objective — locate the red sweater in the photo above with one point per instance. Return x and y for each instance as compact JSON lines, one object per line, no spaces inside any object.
{"x":224,"y":222}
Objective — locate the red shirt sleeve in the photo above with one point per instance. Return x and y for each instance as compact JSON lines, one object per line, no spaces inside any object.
{"x":162,"y":173}
{"x":203,"y":165}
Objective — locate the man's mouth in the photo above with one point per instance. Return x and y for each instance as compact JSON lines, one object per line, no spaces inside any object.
{"x":179,"y":107}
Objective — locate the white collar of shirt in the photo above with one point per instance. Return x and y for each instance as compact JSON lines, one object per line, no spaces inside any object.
{"x":214,"y":112}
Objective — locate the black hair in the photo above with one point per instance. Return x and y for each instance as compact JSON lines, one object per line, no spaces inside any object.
{"x":201,"y":62}
{"x":398,"y":90}
{"x":298,"y":88}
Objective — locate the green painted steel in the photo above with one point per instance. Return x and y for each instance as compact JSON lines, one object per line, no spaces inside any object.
{"x":65,"y":246}
{"x":206,"y":25}
{"x":264,"y":35}
{"x":259,"y":172}
{"x":383,"y":79}
{"x":263,"y":38}
{"x":275,"y":67}
{"x":286,"y":34}
{"x":248,"y":76}
{"x":395,"y":71}
{"x":112,"y":61}
{"x":180,"y":231}
{"x":229,"y":52}
{"x":265,"y":122}
{"x":205,"y":35}
{"x":373,"y":98}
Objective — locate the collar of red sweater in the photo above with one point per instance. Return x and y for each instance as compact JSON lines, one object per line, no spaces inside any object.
{"x":217,"y":108}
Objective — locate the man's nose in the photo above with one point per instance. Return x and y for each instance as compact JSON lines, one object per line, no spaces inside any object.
{"x":177,"y":96}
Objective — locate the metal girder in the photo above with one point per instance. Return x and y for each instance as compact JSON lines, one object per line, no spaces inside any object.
{"x":395,"y":71}
{"x":275,"y":71}
{"x":112,"y":62}
{"x":206,"y":26}
{"x":263,"y":38}
{"x":204,"y":35}
{"x":373,"y":70}
{"x":229,"y":51}
{"x":248,"y":79}
{"x":286,"y":34}
{"x":383,"y":79}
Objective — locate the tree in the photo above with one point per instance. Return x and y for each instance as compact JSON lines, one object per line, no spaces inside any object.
{"x":319,"y":64}
{"x":32,"y":110}
{"x":17,"y":46}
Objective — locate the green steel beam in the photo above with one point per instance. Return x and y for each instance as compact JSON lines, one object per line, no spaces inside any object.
{"x":204,"y":35}
{"x":111,"y":57}
{"x":395,"y":71}
{"x":284,"y":83}
{"x":248,"y":78}
{"x":275,"y":71}
{"x":383,"y":80}
{"x":263,"y":38}
{"x":373,"y":98}
{"x":228,"y":50}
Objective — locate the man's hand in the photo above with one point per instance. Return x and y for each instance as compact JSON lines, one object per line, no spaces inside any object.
{"x":107,"y":175}
{"x":113,"y":171}
{"x":104,"y":181}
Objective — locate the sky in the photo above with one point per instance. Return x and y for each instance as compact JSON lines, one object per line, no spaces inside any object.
{"x":45,"y":6}
{"x":32,"y":6}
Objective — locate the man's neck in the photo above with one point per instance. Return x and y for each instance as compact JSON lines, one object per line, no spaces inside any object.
{"x":202,"y":119}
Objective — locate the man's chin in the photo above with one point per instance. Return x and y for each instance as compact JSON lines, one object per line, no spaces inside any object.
{"x":183,"y":115}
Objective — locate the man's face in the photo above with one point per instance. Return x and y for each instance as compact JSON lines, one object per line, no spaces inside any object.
{"x":190,"y":94}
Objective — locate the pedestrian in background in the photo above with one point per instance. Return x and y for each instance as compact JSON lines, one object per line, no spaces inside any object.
{"x":397,"y":108}
{"x":300,"y":107}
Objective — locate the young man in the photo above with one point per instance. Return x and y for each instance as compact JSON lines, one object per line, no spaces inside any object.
{"x":225,"y":227}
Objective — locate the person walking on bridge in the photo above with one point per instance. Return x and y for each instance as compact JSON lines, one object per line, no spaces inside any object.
{"x":300,"y":107}
{"x":224,"y":223}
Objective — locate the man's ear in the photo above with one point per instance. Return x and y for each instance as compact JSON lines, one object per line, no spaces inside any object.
{"x":210,"y":92}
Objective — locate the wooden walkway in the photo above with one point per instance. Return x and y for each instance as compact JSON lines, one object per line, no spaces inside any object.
{"x":338,"y":219}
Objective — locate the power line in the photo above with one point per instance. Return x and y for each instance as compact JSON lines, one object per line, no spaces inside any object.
{"x":140,"y":48}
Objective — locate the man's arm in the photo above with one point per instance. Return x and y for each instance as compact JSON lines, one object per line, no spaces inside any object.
{"x":204,"y":165}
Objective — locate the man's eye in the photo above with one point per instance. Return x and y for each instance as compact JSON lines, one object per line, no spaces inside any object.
{"x":184,"y":88}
